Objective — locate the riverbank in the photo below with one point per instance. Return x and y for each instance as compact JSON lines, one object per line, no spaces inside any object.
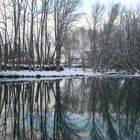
{"x":38,"y":74}
{"x":73,"y":72}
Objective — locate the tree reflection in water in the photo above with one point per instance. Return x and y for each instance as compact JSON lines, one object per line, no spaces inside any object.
{"x":70,"y":109}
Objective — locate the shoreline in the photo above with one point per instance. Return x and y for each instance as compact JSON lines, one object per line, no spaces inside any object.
{"x":67,"y":73}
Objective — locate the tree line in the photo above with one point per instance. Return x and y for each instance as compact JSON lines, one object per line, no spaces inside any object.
{"x":32,"y":31}
{"x":111,"y":41}
{"x":38,"y":33}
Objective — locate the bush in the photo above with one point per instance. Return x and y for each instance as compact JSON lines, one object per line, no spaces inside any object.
{"x":61,"y":68}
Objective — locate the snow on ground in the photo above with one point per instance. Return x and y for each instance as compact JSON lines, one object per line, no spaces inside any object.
{"x":73,"y":72}
{"x":65,"y":73}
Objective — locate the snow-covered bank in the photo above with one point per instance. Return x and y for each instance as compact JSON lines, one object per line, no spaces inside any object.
{"x":65,"y":73}
{"x":75,"y":72}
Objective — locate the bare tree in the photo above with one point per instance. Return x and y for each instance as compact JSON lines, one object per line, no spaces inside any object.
{"x":4,"y":43}
{"x":64,"y":15}
{"x":70,"y":47}
{"x":24,"y":31}
{"x":94,"y":25}
{"x":106,"y":55}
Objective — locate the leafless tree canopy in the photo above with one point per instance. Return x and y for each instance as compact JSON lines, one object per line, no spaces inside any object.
{"x":27,"y":28}
{"x":112,"y":39}
{"x":37,"y":33}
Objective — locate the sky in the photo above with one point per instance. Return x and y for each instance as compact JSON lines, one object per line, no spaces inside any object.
{"x":86,"y":5}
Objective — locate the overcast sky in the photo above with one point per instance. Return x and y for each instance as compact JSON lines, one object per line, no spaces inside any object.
{"x":86,"y":5}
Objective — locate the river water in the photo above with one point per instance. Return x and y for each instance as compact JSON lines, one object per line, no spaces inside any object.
{"x":70,"y":109}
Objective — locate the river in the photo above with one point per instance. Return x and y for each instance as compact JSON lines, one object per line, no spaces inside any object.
{"x":92,"y":108}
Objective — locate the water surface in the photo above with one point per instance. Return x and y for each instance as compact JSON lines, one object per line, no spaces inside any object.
{"x":70,"y":109}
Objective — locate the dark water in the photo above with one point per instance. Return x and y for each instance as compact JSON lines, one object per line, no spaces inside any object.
{"x":70,"y":109}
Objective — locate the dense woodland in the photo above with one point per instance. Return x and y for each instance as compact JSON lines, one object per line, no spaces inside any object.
{"x":41,"y":33}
